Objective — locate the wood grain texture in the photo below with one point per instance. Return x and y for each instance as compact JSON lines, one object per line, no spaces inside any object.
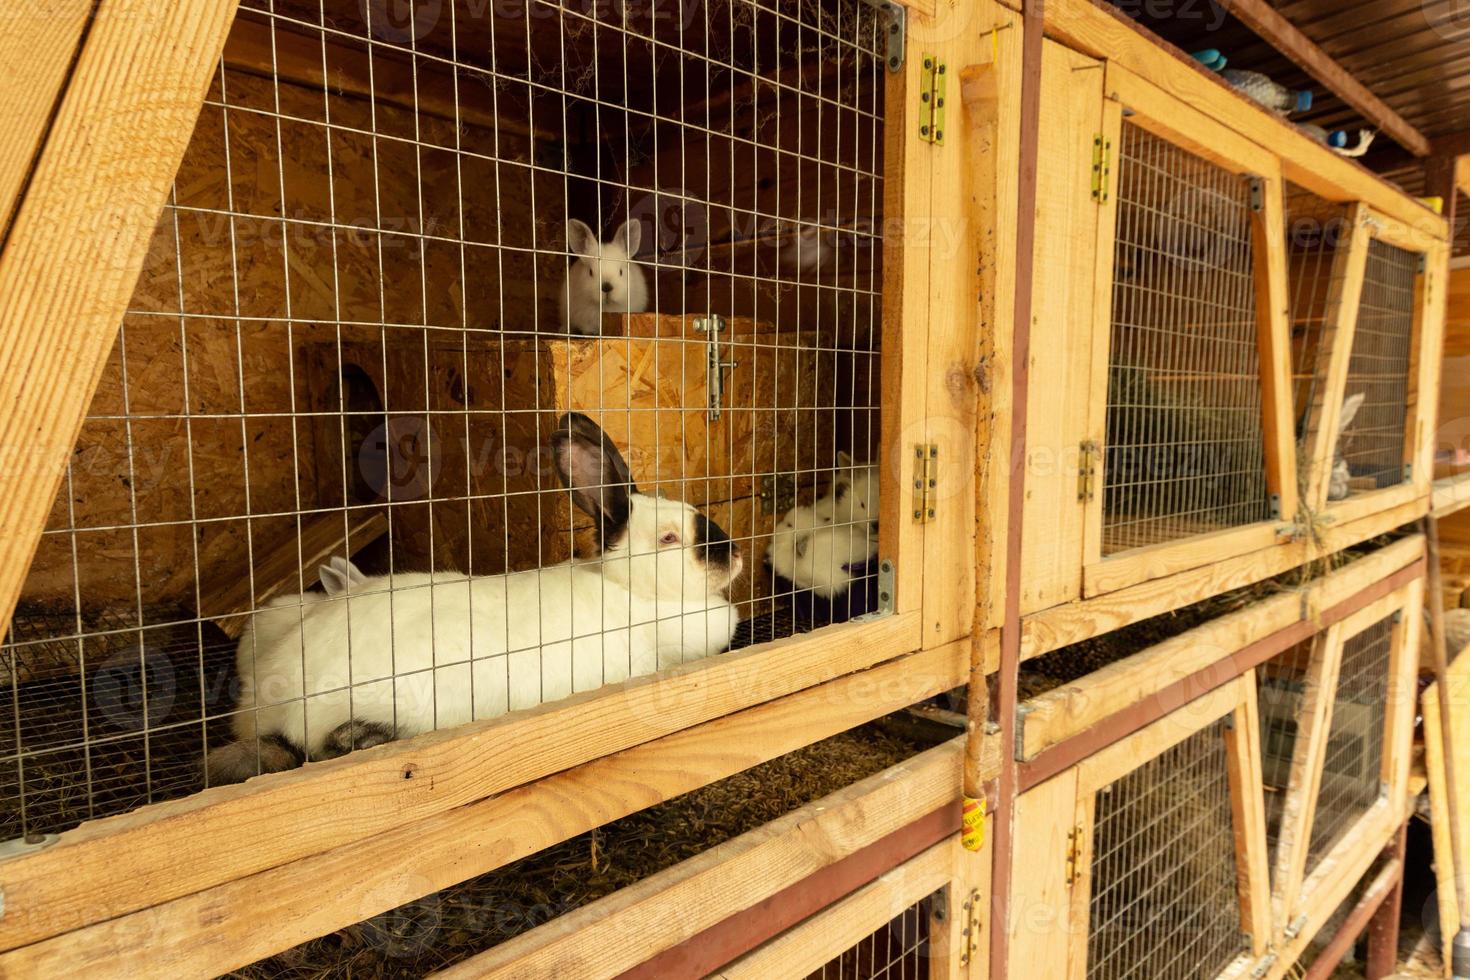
{"x":1437,"y":723}
{"x":1042,"y":926}
{"x":219,"y":928}
{"x":1273,"y":339}
{"x":181,"y":847}
{"x":623,"y":930}
{"x":79,"y":236}
{"x":1064,"y":337}
{"x":37,"y":50}
{"x":1248,"y":819}
{"x":1098,"y":31}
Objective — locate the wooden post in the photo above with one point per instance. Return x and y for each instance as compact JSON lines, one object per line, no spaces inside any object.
{"x":1383,"y":928}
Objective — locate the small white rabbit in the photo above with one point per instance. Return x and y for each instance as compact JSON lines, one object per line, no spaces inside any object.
{"x":410,"y":653}
{"x":340,"y":576}
{"x":809,"y":248}
{"x":817,"y":547}
{"x":605,"y":279}
{"x":1339,"y":483}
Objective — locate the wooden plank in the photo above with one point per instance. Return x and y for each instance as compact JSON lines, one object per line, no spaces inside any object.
{"x":1041,"y":896}
{"x":1362,"y":505}
{"x":630,"y":926}
{"x":78,"y":240}
{"x":1053,"y":717}
{"x":907,"y":189}
{"x":1063,"y":335}
{"x":37,"y":49}
{"x":1102,"y":32}
{"x":1313,"y":722}
{"x":1157,"y":561}
{"x":229,"y":832}
{"x":1248,"y":820}
{"x":1403,"y":688}
{"x":1427,"y":365}
{"x":808,"y":947}
{"x":219,"y":928}
{"x":1068,"y":624}
{"x":292,"y":567}
{"x":1284,"y":36}
{"x":1442,"y":815}
{"x":1273,"y":339}
{"x":1451,"y":495}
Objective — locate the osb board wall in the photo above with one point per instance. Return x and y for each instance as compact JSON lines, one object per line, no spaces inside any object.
{"x":252,"y":274}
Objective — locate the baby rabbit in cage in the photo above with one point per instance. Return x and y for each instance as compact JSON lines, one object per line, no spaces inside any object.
{"x":605,"y":279}
{"x":387,"y":658}
{"x":1339,"y":483}
{"x":825,"y":547}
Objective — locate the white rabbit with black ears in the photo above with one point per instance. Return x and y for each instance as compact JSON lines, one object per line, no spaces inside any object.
{"x":604,"y":279}
{"x":404,"y":654}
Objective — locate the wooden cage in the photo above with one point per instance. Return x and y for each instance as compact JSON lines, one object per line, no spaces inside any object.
{"x":277,"y":274}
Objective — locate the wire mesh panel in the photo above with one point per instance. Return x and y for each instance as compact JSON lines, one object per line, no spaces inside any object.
{"x":1353,"y":765}
{"x":1185,"y":449}
{"x":1280,"y":687}
{"x":1316,"y":232}
{"x":896,"y":951}
{"x":1163,"y":901}
{"x":483,"y":354}
{"x":1376,"y":402}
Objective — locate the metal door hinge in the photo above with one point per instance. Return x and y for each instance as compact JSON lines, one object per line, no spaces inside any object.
{"x":1263,"y":967}
{"x":931,"y":100}
{"x":1258,"y":193}
{"x":926,"y":481}
{"x":972,"y":926}
{"x":1088,"y":457}
{"x":895,"y":27}
{"x":1074,"y":852}
{"x":715,"y":365}
{"x":1102,"y":168}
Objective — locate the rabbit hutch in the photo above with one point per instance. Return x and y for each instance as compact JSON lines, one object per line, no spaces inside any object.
{"x":519,"y":489}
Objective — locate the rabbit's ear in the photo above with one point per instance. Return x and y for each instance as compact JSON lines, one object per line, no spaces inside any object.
{"x":593,"y":469}
{"x":630,"y":236}
{"x":581,"y":239}
{"x":844,"y":461}
{"x":1350,"y":406}
{"x":333,"y":579}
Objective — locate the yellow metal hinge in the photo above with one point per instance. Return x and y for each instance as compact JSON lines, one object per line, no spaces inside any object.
{"x":1088,"y":457}
{"x":931,"y":100}
{"x":1074,"y":852}
{"x":926,"y":481}
{"x":1102,"y":167}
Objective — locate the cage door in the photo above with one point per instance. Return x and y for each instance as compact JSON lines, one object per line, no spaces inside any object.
{"x":1191,"y":402}
{"x":1341,"y":716}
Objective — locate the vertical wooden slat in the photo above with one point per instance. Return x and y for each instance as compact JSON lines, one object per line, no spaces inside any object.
{"x":1334,"y":352}
{"x":1248,"y":819}
{"x":78,"y":240}
{"x":1273,"y":333}
{"x":37,"y":50}
{"x":1040,"y":925}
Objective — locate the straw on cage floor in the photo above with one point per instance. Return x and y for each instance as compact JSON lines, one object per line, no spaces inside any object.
{"x":453,"y":924}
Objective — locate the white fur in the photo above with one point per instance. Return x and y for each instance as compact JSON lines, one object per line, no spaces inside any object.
{"x":420,"y":651}
{"x":1339,"y":482}
{"x":609,"y":264}
{"x":811,"y":545}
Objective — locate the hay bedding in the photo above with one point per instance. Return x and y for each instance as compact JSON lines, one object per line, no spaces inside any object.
{"x":456,"y":923}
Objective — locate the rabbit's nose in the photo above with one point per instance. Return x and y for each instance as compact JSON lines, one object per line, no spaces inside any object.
{"x":607,"y":287}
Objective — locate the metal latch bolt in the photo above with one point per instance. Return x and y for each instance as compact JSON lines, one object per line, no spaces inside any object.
{"x":711,"y":326}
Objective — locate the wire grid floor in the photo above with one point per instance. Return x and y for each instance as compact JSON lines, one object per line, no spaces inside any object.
{"x":104,"y":720}
{"x":1352,"y":767}
{"x":1279,"y":688}
{"x":366,"y":225}
{"x":1315,"y":227}
{"x":1164,"y":902}
{"x":896,"y":951}
{"x":1374,"y":441}
{"x":1185,"y":451}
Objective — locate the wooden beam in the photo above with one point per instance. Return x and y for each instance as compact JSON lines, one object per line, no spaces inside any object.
{"x":1284,"y":36}
{"x":135,"y":860}
{"x":79,"y":237}
{"x":668,"y":917}
{"x":218,"y":929}
{"x":37,"y":50}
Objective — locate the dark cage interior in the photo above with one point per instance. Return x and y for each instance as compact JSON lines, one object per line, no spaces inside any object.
{"x":360,"y":319}
{"x":1185,"y":449}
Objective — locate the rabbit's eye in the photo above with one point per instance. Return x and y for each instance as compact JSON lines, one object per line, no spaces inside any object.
{"x":620,"y":273}
{"x":669,"y":538}
{"x":590,"y":273}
